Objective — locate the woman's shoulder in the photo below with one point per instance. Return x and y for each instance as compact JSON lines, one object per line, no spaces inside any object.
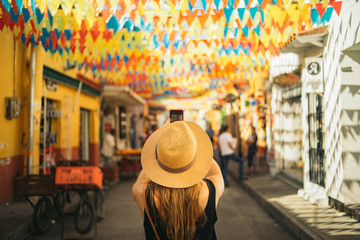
{"x":217,"y":185}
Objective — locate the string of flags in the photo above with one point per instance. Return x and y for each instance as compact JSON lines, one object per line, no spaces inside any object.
{"x":164,"y":47}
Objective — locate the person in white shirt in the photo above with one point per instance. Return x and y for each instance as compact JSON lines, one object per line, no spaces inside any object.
{"x":227,"y":147}
{"x":108,"y":146}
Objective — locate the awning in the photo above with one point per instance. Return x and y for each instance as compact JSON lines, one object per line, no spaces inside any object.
{"x":307,"y":43}
{"x":121,"y":95}
{"x":285,"y":63}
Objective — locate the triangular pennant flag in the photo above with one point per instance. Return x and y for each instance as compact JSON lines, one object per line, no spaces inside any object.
{"x":66,"y":6}
{"x":314,"y":16}
{"x":301,"y":3}
{"x":327,"y":15}
{"x":230,"y":3}
{"x":191,"y":7}
{"x":227,"y":13}
{"x":41,"y":5}
{"x":226,"y":29}
{"x":245,"y":31}
{"x":217,"y":2}
{"x":202,"y":19}
{"x":19,"y":5}
{"x":253,"y":11}
{"x":241,"y":12}
{"x":26,"y":14}
{"x":337,"y":7}
{"x":246,"y":3}
{"x":204,"y":5}
{"x":320,"y":8}
{"x":193,"y":2}
{"x":50,"y":17}
{"x":39,"y":15}
{"x":262,"y":15}
{"x":257,"y":30}
{"x":53,"y":6}
{"x":6,"y":4}
{"x":287,"y":4}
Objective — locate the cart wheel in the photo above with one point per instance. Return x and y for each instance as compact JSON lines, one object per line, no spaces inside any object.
{"x":43,"y":214}
{"x":72,"y":199}
{"x":99,"y":203}
{"x":84,"y":217}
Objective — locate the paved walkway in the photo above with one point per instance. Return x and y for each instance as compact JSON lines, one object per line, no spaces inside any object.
{"x":240,"y":217}
{"x":238,"y":213}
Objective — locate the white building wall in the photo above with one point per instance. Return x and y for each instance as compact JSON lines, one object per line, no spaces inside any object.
{"x":341,"y":111}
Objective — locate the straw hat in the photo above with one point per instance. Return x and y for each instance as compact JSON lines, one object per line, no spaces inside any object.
{"x":177,"y":155}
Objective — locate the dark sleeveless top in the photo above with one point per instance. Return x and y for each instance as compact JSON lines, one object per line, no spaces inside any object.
{"x":207,"y":232}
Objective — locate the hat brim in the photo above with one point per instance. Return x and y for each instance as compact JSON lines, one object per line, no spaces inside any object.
{"x":184,"y":179}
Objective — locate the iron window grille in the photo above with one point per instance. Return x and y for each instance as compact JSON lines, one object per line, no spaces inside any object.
{"x":316,"y":138}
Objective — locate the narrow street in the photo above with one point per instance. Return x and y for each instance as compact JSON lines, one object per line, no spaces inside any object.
{"x":239,"y":217}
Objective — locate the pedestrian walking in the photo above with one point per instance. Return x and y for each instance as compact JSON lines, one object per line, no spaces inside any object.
{"x":108,"y":147}
{"x":179,"y":187}
{"x":210,"y":132}
{"x":227,"y":147}
{"x":252,"y":143}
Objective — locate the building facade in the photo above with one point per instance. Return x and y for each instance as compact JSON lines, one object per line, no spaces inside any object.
{"x":341,"y":108}
{"x":330,"y":95}
{"x":64,"y":116}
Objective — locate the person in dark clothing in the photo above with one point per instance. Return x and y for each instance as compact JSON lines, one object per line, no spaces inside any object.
{"x":179,"y":187}
{"x":210,"y":133}
{"x":252,"y":143}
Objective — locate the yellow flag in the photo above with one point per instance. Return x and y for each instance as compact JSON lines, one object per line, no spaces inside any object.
{"x":294,"y":14}
{"x":64,"y":19}
{"x":325,"y":3}
{"x":163,"y":14}
{"x":287,"y":4}
{"x":267,"y":17}
{"x":77,"y":16}
{"x":265,"y":39}
{"x":41,"y":4}
{"x":313,"y":2}
{"x":184,"y":5}
{"x":149,"y":15}
{"x":301,"y":3}
{"x":274,"y":35}
{"x":275,"y":12}
{"x":66,"y":6}
{"x":53,"y":6}
{"x":101,"y":23}
{"x":281,"y":17}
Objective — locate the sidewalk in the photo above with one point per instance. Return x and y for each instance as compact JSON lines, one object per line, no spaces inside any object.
{"x":279,"y":199}
{"x":16,"y":220}
{"x":301,"y":218}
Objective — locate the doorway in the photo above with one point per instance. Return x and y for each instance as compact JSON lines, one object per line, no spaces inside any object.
{"x":50,"y":112}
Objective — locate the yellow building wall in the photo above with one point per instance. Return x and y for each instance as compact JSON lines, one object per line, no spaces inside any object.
{"x":14,"y":133}
{"x":86,"y":102}
{"x":12,"y":142}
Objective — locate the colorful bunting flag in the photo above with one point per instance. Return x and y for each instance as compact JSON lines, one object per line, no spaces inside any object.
{"x":158,"y":47}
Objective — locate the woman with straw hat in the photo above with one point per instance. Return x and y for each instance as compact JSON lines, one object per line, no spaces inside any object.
{"x":179,"y":187}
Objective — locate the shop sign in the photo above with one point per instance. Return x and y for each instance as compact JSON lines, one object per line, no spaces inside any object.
{"x":313,"y":75}
{"x":51,"y":85}
{"x":52,"y":112}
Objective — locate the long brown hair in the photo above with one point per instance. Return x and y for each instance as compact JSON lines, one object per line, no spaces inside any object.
{"x":179,"y":209}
